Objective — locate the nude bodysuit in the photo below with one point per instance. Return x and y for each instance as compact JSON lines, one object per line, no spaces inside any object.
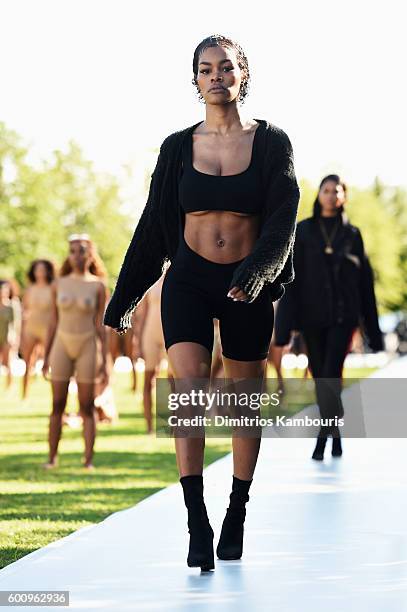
{"x":75,"y":344}
{"x":6,"y":320}
{"x":38,"y":311}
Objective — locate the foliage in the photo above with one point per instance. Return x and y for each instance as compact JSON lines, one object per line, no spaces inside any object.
{"x":41,"y":205}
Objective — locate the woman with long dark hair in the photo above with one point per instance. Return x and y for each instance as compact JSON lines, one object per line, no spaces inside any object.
{"x":222,"y":208}
{"x":36,"y":312}
{"x":76,"y":340}
{"x":10,"y":324}
{"x":332,"y":295}
{"x":7,"y":318}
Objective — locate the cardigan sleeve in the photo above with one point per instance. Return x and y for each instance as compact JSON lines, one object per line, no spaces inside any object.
{"x":274,"y":246}
{"x":287,"y":308}
{"x":144,"y":260}
{"x":369,"y":315}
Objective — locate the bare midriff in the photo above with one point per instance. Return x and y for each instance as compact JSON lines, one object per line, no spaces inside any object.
{"x":221,"y":236}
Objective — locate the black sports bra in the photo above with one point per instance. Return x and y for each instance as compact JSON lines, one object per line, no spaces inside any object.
{"x":241,"y":192}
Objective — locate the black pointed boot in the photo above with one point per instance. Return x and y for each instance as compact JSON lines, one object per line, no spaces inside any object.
{"x":318,"y":453}
{"x":200,"y":553}
{"x":336,"y":443}
{"x":230,"y":545}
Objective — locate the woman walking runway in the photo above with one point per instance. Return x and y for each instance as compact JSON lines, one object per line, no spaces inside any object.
{"x":333,"y":293}
{"x":222,"y":208}
{"x":36,"y":312}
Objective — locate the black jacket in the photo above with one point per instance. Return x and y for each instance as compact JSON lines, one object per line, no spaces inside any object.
{"x":329,"y":289}
{"x":155,"y":240}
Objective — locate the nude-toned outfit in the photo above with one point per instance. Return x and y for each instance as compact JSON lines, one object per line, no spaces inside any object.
{"x":217,"y":346}
{"x":38,"y":312}
{"x":75,"y":346}
{"x":6,"y":321}
{"x":152,"y":338}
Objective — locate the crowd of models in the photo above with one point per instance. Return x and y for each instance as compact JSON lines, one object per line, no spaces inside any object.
{"x":246,"y":284}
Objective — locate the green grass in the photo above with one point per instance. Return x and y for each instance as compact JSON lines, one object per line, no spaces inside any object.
{"x":39,"y":506}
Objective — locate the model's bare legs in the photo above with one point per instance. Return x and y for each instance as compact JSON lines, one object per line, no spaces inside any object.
{"x":29,"y":346}
{"x":275,"y":357}
{"x":149,"y":376}
{"x":59,"y":397}
{"x":130,"y":350}
{"x":5,"y":360}
{"x":245,"y":452}
{"x":245,"y":449}
{"x":189,"y":360}
{"x":86,"y":397}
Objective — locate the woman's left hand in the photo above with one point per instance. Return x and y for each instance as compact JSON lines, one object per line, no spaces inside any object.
{"x":238,"y":295}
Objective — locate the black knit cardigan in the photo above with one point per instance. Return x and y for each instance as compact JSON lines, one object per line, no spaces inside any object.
{"x":318,"y":298}
{"x":155,"y":239}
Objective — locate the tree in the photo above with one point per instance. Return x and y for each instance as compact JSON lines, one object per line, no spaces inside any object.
{"x":40,"y":207}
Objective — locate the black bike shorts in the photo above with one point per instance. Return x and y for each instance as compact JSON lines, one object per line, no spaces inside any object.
{"x":194,"y":292}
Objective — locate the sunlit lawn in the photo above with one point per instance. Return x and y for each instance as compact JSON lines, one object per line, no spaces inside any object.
{"x":39,"y":506}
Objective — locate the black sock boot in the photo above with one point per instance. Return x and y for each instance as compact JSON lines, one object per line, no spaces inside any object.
{"x":200,"y":553}
{"x":336,"y":443}
{"x":230,"y":544}
{"x":318,"y":453}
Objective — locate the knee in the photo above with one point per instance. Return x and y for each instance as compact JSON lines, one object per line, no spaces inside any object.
{"x":148,"y":379}
{"x":87,"y":409}
{"x":58,"y":407}
{"x":191,"y":371}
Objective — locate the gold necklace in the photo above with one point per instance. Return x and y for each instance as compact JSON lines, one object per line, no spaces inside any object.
{"x":328,"y":239}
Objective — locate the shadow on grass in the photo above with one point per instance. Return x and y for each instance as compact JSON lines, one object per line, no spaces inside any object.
{"x":72,"y":505}
{"x":118,"y":482}
{"x":141,"y":466}
{"x":12,"y":554}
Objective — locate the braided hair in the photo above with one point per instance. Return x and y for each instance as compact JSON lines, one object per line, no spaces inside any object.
{"x":218,"y":40}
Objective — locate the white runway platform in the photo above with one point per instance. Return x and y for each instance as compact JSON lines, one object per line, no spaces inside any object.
{"x":320,"y":536}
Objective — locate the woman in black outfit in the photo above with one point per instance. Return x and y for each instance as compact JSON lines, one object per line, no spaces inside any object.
{"x":332,"y":295}
{"x":222,"y":208}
